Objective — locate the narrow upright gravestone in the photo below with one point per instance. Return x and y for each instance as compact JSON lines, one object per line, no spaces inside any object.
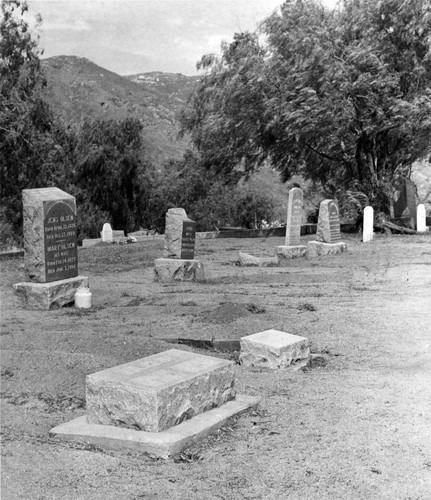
{"x":157,"y":405}
{"x":292,"y":247}
{"x":50,"y":249}
{"x":107,"y":233}
{"x":421,"y":225}
{"x":179,"y":263}
{"x":328,"y":236}
{"x":368,"y":226}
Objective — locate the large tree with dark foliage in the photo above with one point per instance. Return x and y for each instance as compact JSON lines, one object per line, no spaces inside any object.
{"x":340,"y":96}
{"x":26,"y":123}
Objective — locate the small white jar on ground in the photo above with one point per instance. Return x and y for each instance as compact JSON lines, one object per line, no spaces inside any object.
{"x":83,"y":298}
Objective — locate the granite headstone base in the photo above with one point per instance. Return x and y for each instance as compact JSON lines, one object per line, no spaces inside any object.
{"x":316,"y":248}
{"x":291,"y":252}
{"x":178,"y":270}
{"x":53,"y":295}
{"x":273,"y":349}
{"x":246,"y":259}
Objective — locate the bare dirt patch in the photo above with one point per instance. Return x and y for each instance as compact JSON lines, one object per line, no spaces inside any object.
{"x":358,"y":427}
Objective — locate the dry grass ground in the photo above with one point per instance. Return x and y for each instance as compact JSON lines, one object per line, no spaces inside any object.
{"x":357,"y":428}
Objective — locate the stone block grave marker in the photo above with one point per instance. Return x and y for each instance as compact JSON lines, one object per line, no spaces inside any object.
{"x":50,"y":249}
{"x":328,"y":236}
{"x":159,"y":405}
{"x":368,"y":225}
{"x":292,"y":247}
{"x":273,"y":349}
{"x":179,"y":263}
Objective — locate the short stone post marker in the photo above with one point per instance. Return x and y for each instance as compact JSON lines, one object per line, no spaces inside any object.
{"x":328,"y":236}
{"x":292,"y":247}
{"x":368,"y":226}
{"x":50,"y":249}
{"x":179,"y":263}
{"x":421,"y":225}
{"x":107,"y":233}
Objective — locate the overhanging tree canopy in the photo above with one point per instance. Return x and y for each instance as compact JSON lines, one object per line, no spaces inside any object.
{"x":342,"y":97}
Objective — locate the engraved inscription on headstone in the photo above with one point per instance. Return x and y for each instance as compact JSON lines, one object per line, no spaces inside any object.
{"x":61,"y":253}
{"x":294,"y":217}
{"x":188,"y":240}
{"x":334,"y":222}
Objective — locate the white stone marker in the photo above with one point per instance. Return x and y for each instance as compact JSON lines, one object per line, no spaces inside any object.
{"x":368,"y":226}
{"x":155,"y":393}
{"x":107,"y":233}
{"x":273,"y":349}
{"x":421,"y":224}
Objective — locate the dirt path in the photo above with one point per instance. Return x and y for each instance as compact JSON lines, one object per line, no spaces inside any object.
{"x":357,"y":428}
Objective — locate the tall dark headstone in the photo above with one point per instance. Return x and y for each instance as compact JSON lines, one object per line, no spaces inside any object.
{"x":50,"y":235}
{"x":404,"y":203}
{"x":50,"y":249}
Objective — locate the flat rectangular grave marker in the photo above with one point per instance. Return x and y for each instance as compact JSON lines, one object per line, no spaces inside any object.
{"x":273,"y":349}
{"x":158,"y":392}
{"x":188,"y":238}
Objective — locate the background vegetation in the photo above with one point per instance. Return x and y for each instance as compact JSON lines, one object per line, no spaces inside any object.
{"x":341,"y":98}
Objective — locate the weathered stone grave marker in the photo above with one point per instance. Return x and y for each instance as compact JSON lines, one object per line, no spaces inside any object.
{"x":328,"y":236}
{"x":109,"y":235}
{"x":50,"y":249}
{"x":368,"y":225}
{"x":421,"y":224}
{"x":404,"y":203}
{"x":159,"y":405}
{"x":273,"y":349}
{"x":179,"y":249}
{"x":292,"y":247}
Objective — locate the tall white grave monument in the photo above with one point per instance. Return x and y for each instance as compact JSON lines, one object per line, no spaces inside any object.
{"x":421,"y":225}
{"x":368,"y":226}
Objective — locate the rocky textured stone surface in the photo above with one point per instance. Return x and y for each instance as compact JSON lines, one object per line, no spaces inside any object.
{"x":246,"y":259}
{"x":34,"y":221}
{"x":290,"y":252}
{"x":176,"y":242}
{"x":51,"y":295}
{"x":328,"y":224}
{"x":273,"y":349}
{"x":178,"y":270}
{"x":294,"y":217}
{"x":316,"y":248}
{"x":160,"y":391}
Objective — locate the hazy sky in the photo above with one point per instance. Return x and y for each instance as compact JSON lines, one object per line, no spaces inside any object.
{"x":134,"y":36}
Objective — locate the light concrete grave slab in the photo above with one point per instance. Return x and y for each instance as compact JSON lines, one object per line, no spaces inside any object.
{"x":273,"y":349}
{"x":160,"y":391}
{"x":178,"y":270}
{"x":165,"y":444}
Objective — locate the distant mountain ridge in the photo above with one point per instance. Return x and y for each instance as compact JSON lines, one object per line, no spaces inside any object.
{"x":78,"y":88}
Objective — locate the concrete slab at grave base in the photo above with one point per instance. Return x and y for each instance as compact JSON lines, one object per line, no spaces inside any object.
{"x":51,"y":295}
{"x":165,"y":444}
{"x":291,"y":252}
{"x":246,"y":259}
{"x":316,"y":248}
{"x":273,"y":349}
{"x":178,"y":270}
